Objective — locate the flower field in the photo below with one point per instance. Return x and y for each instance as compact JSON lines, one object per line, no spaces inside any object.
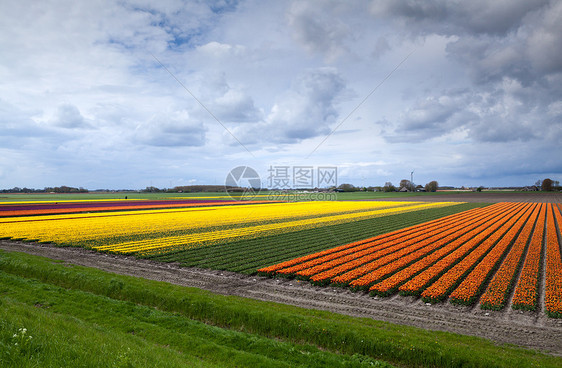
{"x":163,"y":230}
{"x":502,"y":254}
{"x":483,"y":254}
{"x":11,"y":209}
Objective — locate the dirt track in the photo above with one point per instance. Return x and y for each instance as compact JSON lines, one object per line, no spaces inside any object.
{"x":532,"y":330}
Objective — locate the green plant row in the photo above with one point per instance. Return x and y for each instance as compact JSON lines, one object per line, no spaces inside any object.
{"x":359,"y":338}
{"x":246,"y":256}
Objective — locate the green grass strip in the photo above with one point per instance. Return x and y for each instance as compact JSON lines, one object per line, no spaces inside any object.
{"x":159,"y":330}
{"x":405,"y":346}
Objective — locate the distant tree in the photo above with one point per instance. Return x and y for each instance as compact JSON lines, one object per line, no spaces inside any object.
{"x":151,"y":189}
{"x":479,"y":189}
{"x":404,"y":183}
{"x":431,"y":186}
{"x":347,"y":188}
{"x":388,"y":187}
{"x":538,"y":183}
{"x":547,"y":185}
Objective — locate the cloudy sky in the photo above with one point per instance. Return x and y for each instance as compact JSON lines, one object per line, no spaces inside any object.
{"x":127,"y":94}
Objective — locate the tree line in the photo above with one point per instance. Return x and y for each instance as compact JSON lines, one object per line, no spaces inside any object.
{"x":61,"y":189}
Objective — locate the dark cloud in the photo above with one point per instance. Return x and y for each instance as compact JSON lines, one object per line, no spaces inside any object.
{"x":497,"y":116}
{"x":510,"y":52}
{"x":432,"y":118}
{"x":494,"y":39}
{"x":306,"y":111}
{"x":457,"y":17}
{"x":318,"y":29}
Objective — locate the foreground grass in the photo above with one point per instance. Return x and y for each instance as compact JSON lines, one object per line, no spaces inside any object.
{"x":70,"y":327}
{"x":80,"y":316}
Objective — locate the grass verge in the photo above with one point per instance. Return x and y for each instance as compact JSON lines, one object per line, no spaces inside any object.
{"x":157,"y":320}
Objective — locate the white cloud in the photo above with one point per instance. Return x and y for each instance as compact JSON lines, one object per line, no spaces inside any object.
{"x":171,"y":130}
{"x":68,"y":116}
{"x":84,"y":103}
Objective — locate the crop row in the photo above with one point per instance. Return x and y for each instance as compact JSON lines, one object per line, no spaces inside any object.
{"x":171,"y":229}
{"x":13,"y":210}
{"x":365,"y":252}
{"x":442,"y":259}
{"x":252,"y":230}
{"x":495,"y":295}
{"x":248,"y":255}
{"x":553,"y":287}
{"x":490,"y":252}
{"x":526,"y":292}
{"x":480,"y":259}
{"x":319,"y":257}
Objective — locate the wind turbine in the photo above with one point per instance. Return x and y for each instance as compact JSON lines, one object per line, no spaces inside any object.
{"x":412,"y":180}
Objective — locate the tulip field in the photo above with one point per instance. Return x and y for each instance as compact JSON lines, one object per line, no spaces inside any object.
{"x":501,"y":254}
{"x":144,"y":232}
{"x":482,"y":254}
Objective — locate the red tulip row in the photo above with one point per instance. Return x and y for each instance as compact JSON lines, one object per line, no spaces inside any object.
{"x":367,"y":243}
{"x":424,"y":249}
{"x":479,"y":258}
{"x":553,"y":287}
{"x":495,"y":295}
{"x":463,"y":246}
{"x":525,"y":296}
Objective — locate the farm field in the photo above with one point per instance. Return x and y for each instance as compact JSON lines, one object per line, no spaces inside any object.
{"x":434,"y":264}
{"x":455,"y":257}
{"x":146,"y":232}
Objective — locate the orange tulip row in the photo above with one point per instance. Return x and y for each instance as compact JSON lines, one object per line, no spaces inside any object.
{"x":478,"y":258}
{"x":553,"y":287}
{"x":398,"y":261}
{"x":470,"y":287}
{"x":495,"y":295}
{"x":456,"y":256}
{"x":366,"y":243}
{"x":443,"y":258}
{"x":365,"y":253}
{"x":363,"y":264}
{"x":525,"y":296}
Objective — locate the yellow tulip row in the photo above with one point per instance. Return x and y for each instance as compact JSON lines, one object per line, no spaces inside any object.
{"x":84,"y":226}
{"x":253,"y":230}
{"x":189,"y":227}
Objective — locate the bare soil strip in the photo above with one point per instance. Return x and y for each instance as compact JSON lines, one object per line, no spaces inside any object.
{"x":527,"y":329}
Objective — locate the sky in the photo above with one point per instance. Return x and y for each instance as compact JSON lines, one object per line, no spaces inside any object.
{"x":129,"y":94}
